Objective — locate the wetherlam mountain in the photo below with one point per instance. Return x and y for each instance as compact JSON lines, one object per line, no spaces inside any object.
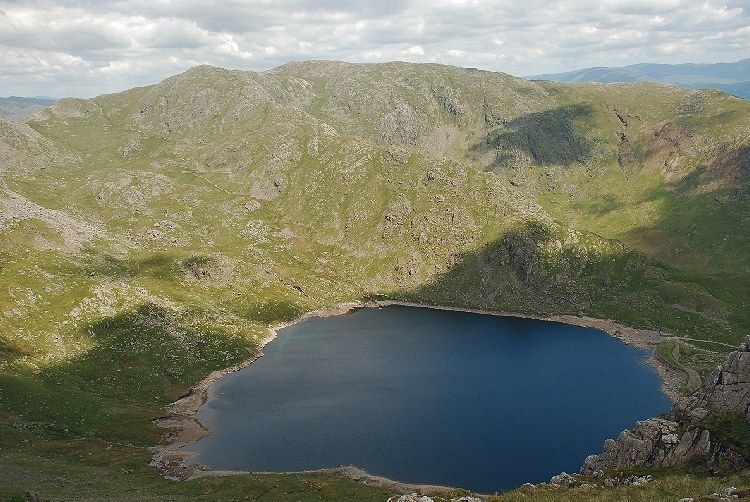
{"x":152,"y":236}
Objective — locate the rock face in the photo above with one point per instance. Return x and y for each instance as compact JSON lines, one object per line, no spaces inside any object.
{"x":681,"y":436}
{"x":656,"y":441}
{"x":728,"y":387}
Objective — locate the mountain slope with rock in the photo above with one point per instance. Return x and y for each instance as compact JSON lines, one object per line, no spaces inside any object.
{"x":153,"y":236}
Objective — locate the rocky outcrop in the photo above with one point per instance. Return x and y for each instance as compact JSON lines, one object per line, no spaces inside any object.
{"x":411,"y":498}
{"x":415,"y":497}
{"x":656,"y":441}
{"x":684,"y":435}
{"x":728,"y":387}
{"x":573,"y":480}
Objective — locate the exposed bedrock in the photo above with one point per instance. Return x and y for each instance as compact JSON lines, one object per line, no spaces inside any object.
{"x":699,"y":428}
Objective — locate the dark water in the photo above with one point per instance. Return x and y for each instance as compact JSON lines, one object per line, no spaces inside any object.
{"x":429,"y":396}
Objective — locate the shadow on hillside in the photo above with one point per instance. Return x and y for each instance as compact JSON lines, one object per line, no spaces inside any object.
{"x":548,"y":137}
{"x":535,"y":268}
{"x":166,"y":266}
{"x":703,"y":217}
{"x":530,"y":269}
{"x":11,"y":349}
{"x":703,"y":227}
{"x":139,"y":361}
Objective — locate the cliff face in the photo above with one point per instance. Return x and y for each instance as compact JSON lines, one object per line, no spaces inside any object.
{"x":728,"y":387}
{"x":692,"y":431}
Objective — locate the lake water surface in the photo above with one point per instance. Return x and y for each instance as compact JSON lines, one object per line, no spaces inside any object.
{"x":429,"y":396}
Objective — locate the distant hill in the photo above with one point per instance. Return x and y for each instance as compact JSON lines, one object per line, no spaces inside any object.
{"x":18,"y":108}
{"x":732,"y":78}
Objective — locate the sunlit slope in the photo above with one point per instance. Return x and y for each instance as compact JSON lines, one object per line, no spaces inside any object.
{"x":661,"y":169}
{"x":614,"y":159}
{"x":323,"y":182}
{"x":252,"y":212}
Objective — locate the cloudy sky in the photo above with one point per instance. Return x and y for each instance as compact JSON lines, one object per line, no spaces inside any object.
{"x":85,"y":48}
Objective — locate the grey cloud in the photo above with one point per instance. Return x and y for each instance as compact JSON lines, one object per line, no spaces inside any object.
{"x":174,"y":34}
{"x":50,"y":32}
{"x":361,"y":8}
{"x":143,"y":41}
{"x":225,"y":16}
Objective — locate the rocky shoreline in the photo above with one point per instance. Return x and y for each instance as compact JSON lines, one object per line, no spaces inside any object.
{"x":689,"y":431}
{"x":185,"y":428}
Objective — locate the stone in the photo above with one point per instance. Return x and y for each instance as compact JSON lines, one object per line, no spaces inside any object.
{"x":31,"y":496}
{"x":728,"y":387}
{"x":413,"y":497}
{"x":562,"y":479}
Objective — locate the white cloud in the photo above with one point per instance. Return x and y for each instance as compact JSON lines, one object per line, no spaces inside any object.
{"x":88,"y":47}
{"x":414,"y":50}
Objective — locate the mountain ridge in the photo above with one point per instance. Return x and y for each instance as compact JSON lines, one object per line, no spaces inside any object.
{"x":20,"y":108}
{"x":731,"y":78}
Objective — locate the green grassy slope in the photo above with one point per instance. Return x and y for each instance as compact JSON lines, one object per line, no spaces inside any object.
{"x":152,"y":236}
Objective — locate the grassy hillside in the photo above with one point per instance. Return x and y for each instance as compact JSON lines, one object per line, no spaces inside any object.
{"x":152,"y":236}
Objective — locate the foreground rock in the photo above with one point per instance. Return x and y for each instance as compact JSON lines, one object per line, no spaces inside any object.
{"x":686,"y":434}
{"x":573,"y":480}
{"x":415,"y":497}
{"x":730,"y":493}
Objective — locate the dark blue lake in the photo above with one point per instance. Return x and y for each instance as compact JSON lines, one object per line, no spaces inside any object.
{"x":429,"y":396}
